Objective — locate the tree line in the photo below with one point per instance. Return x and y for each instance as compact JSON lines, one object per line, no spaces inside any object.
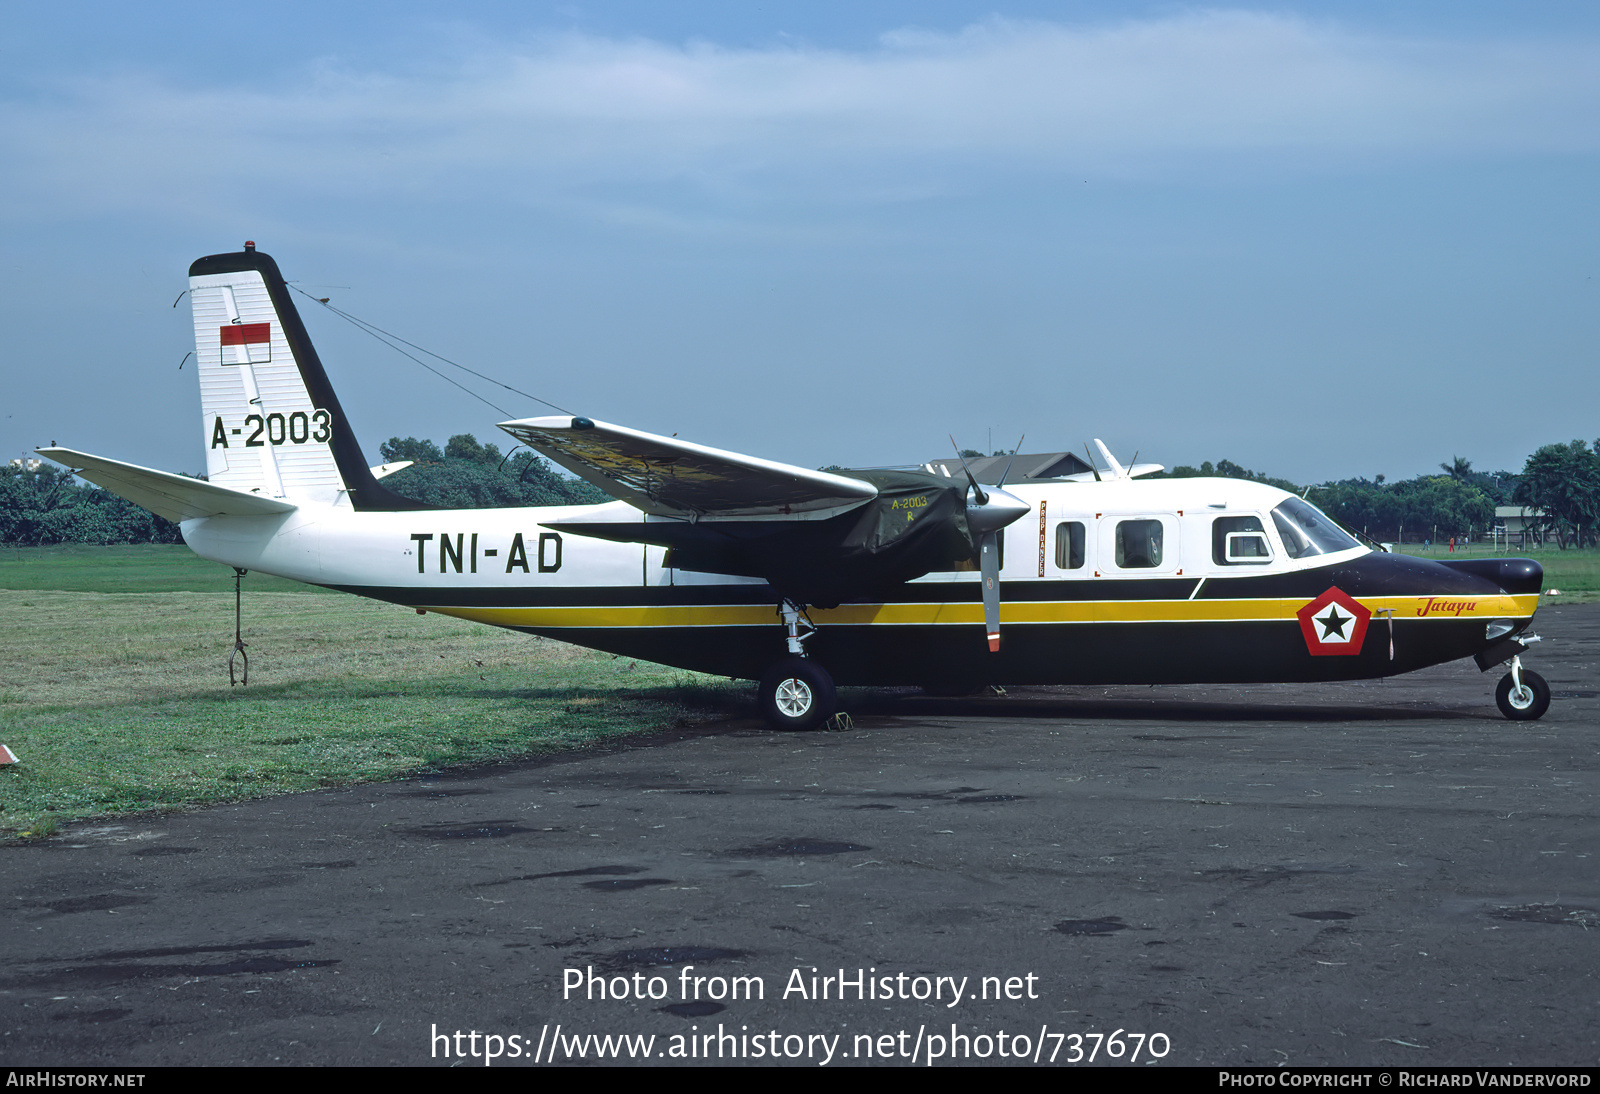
{"x":469,"y":475}
{"x":46,"y":505}
{"x":1558,"y":490}
{"x":1559,"y":487}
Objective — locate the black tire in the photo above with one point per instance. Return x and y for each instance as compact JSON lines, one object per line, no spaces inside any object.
{"x":1531,"y":704}
{"x":796,"y":694}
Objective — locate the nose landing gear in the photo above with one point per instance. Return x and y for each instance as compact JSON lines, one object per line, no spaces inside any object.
{"x":1522,"y":694}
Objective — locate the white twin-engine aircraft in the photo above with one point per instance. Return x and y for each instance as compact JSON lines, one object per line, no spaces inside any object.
{"x":802,"y":579}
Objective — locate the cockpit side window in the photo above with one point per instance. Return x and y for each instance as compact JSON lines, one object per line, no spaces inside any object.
{"x":1306,"y":531}
{"x":1239,"y":541}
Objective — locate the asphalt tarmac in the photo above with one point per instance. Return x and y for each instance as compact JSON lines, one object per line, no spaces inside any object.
{"x":1384,"y":873}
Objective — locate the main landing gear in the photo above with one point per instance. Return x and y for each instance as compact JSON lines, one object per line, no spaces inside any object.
{"x":1522,"y":695}
{"x":796,"y":693}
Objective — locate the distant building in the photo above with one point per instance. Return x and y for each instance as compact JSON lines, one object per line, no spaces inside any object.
{"x":1039,"y":465}
{"x":1517,"y":518}
{"x":27,"y":464}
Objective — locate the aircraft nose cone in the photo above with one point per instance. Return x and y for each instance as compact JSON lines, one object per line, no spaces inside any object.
{"x":1521,"y":575}
{"x":1000,"y":510}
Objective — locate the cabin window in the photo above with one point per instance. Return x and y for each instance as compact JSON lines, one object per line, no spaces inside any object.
{"x":1306,"y":531}
{"x":1069,"y":545}
{"x":1239,"y":541}
{"x":1138,"y":544}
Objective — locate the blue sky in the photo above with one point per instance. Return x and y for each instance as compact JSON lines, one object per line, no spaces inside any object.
{"x":1319,"y":240}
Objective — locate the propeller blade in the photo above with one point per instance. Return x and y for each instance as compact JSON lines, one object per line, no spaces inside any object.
{"x":990,"y":552}
{"x":982,"y":498}
{"x":1007,"y":472}
{"x":985,"y":521}
{"x":988,"y":512}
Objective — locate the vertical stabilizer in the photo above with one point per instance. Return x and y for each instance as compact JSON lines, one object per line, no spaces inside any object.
{"x":272,"y":424}
{"x":1117,"y":470}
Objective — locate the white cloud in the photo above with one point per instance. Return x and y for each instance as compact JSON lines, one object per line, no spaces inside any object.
{"x":1001,"y":99}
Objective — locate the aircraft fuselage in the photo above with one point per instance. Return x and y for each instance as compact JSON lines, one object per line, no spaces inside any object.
{"x":1073,"y":613}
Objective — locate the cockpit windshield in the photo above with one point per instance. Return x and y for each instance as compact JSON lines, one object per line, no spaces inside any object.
{"x":1306,"y":531}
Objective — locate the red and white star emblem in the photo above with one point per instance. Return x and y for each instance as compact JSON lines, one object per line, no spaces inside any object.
{"x":1334,"y":624}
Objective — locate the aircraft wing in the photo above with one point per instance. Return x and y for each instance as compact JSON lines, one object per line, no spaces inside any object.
{"x":174,"y":497}
{"x":667,"y":477}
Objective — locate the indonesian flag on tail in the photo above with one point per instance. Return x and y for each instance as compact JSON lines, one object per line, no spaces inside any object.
{"x":246,"y":343}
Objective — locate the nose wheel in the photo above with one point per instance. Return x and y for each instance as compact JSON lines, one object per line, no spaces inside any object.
{"x":1522,"y":695}
{"x":796,"y":694}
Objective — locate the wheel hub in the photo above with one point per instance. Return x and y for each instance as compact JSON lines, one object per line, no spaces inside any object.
{"x":794,"y":697}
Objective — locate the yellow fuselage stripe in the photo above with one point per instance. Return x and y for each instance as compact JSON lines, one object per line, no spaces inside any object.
{"x":1016,"y":612}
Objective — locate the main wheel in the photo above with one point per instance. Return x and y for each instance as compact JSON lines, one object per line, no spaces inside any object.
{"x":1526,"y":703}
{"x":796,"y":694}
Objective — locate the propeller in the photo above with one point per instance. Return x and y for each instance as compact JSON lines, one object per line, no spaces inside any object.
{"x":988,"y":512}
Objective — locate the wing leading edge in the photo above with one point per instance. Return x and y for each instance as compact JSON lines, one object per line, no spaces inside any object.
{"x":666,"y":477}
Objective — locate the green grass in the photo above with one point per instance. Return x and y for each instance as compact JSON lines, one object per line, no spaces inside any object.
{"x":1575,"y":573}
{"x":86,"y":760}
{"x":117,"y":702}
{"x":142,"y":567}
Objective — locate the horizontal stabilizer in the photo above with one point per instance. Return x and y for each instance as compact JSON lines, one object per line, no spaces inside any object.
{"x":174,"y":497}
{"x":671,"y":478}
